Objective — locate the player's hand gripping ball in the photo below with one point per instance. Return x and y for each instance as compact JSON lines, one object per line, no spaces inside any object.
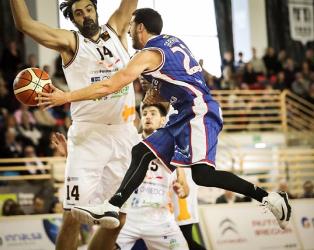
{"x":28,"y":83}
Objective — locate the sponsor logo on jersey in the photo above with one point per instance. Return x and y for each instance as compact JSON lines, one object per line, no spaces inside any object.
{"x":184,"y":152}
{"x":105,"y":36}
{"x":173,"y":100}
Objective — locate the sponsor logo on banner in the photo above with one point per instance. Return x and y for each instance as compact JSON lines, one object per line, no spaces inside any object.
{"x":229,"y":233}
{"x":21,"y":239}
{"x":307,"y":222}
{"x":51,"y":227}
{"x":301,"y":20}
{"x":268,"y":227}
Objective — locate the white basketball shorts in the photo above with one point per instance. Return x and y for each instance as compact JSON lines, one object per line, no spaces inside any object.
{"x":158,"y":233}
{"x":98,"y":157}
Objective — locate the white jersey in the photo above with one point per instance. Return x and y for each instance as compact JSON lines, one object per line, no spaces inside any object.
{"x":154,"y":192}
{"x":93,"y":62}
{"x":186,"y":210}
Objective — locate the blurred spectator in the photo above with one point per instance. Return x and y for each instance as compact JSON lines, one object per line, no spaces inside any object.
{"x":228,"y":61}
{"x":11,"y":148}
{"x":282,"y":58}
{"x":309,"y":58}
{"x":11,"y":207}
{"x":281,"y":82}
{"x":56,"y":206}
{"x":311,"y":93}
{"x":44,"y":118}
{"x":31,"y":61}
{"x":301,"y":85}
{"x":35,"y":166}
{"x":239,"y":64}
{"x":284,"y":187}
{"x":229,"y":197}
{"x":10,"y":123}
{"x":5,"y":98}
{"x":249,"y":75}
{"x":308,"y":190}
{"x":10,"y":62}
{"x":290,"y":71}
{"x":228,"y":80}
{"x":271,"y":62}
{"x":39,"y":205}
{"x":19,"y":113}
{"x":257,"y":63}
{"x":28,"y":131}
{"x":305,"y":70}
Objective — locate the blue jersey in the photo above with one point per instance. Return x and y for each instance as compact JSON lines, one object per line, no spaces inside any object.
{"x":190,"y":136}
{"x":179,"y":78}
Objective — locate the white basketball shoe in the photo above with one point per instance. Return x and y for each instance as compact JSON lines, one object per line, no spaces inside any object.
{"x":278,"y":204}
{"x":105,"y":215}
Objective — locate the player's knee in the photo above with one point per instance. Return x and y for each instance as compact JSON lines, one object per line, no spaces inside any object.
{"x":196,"y":178}
{"x":69,"y":222}
{"x":203,"y":174}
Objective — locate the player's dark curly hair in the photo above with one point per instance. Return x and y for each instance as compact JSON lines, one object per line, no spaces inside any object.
{"x":150,"y":18}
{"x":66,"y":7}
{"x":162,"y":109}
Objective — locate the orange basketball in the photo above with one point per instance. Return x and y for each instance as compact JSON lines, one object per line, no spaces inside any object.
{"x":28,"y":83}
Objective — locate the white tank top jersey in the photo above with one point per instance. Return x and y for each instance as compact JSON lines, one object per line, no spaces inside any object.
{"x":186,"y":210}
{"x":155,"y":190}
{"x":93,"y":62}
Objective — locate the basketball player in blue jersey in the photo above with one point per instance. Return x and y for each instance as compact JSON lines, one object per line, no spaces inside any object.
{"x":100,"y":143}
{"x":190,"y":137}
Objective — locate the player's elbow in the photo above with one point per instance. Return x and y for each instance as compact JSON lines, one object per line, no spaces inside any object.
{"x":19,"y":26}
{"x":22,"y":26}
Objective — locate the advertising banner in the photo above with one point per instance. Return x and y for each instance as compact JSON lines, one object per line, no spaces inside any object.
{"x":301,"y":20}
{"x":303,"y":217}
{"x":29,"y":232}
{"x":245,"y":226}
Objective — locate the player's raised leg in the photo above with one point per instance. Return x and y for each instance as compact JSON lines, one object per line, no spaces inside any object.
{"x":277,"y":203}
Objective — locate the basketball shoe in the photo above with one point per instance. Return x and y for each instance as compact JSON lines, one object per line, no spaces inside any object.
{"x":278,"y":204}
{"x":105,"y":215}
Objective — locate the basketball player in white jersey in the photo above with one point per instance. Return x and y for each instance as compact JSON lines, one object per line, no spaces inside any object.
{"x":149,"y":207}
{"x":101,"y":136}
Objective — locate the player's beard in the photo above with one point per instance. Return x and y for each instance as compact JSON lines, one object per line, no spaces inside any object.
{"x":136,"y":43}
{"x":90,"y":27}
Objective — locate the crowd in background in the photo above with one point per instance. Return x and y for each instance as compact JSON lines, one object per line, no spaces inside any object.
{"x":271,"y":71}
{"x":26,"y":131}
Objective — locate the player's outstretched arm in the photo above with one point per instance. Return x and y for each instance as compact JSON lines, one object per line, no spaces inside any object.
{"x":120,"y":19}
{"x":181,"y":186}
{"x":144,"y":60}
{"x":56,"y":39}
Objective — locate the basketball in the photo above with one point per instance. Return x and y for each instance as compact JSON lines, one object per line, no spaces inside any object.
{"x":28,"y":83}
